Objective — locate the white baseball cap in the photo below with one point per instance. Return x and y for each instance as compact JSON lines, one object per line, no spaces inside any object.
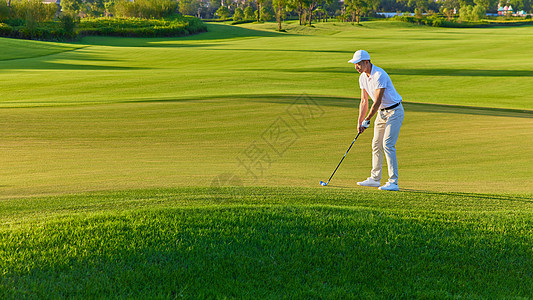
{"x":358,"y":56}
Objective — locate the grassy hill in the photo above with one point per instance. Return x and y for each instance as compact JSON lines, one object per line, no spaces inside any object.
{"x":189,"y":167}
{"x":267,"y":242}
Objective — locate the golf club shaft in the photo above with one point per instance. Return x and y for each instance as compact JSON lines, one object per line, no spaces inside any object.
{"x":343,"y":157}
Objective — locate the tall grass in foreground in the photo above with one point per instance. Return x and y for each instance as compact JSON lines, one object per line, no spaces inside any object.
{"x":267,"y":242}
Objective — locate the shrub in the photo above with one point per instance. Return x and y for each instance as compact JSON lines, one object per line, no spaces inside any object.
{"x":65,"y":28}
{"x":433,"y":21}
{"x":244,"y":22}
{"x":137,"y":27}
{"x":6,"y":30}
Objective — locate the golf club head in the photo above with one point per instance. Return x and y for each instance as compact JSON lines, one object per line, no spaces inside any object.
{"x":322,"y":183}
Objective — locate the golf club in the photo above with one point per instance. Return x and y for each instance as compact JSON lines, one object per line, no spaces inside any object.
{"x":365,"y":124}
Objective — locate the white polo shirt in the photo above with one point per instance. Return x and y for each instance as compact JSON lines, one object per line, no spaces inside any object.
{"x":379,"y":79}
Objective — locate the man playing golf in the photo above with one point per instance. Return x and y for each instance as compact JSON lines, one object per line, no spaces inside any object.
{"x":376,"y":83}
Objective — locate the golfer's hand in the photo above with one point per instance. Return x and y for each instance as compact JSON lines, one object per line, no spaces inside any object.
{"x":363,"y":126}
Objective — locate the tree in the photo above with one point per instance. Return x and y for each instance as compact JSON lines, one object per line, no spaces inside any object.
{"x":311,"y":6}
{"x":36,"y":11}
{"x":223,"y":12}
{"x":259,"y":9}
{"x":299,"y":6}
{"x":321,"y":15}
{"x":33,"y":12}
{"x":447,"y":12}
{"x":465,"y":13}
{"x":249,"y":13}
{"x":422,"y":5}
{"x":355,"y":9}
{"x":449,"y":7}
{"x":373,"y":5}
{"x":332,"y":8}
{"x":189,"y":7}
{"x":471,"y":13}
{"x":238,"y":15}
{"x":71,"y":7}
{"x":483,"y":3}
{"x":94,"y":8}
{"x":147,"y":9}
{"x":4,"y":10}
{"x":212,"y":7}
{"x":418,"y":13}
{"x":266,"y":12}
{"x":478,"y":13}
{"x":109,"y":7}
{"x":279,"y":8}
{"x":520,"y":4}
{"x":68,"y":24}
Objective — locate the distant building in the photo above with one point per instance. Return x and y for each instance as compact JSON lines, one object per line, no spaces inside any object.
{"x":505,"y":10}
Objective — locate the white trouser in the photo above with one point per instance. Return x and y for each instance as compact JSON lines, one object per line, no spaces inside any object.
{"x":386,"y":132}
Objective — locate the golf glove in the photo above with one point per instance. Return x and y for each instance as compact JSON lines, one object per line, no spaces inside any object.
{"x":365,"y":124}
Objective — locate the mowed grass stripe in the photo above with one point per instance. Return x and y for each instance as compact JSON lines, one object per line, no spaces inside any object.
{"x":13,"y":49}
{"x":157,"y":143}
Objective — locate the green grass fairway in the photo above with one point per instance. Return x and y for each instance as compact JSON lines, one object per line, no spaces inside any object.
{"x":182,"y":111}
{"x":476,"y":67}
{"x":190,"y":167}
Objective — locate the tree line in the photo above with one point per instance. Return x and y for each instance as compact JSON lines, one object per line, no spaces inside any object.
{"x":306,"y":11}
{"x":40,"y":11}
{"x":347,"y":10}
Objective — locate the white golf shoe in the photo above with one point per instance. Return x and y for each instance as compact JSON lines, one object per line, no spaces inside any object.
{"x":369,"y":182}
{"x":389,"y":186}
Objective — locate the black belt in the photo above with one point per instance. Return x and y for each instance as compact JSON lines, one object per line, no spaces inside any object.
{"x":391,"y":107}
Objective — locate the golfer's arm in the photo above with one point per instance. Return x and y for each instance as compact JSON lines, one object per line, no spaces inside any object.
{"x":375,"y":106}
{"x":363,"y":107}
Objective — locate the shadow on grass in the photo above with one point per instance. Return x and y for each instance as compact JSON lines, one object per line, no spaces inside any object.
{"x":215,"y":31}
{"x":336,"y":101}
{"x":468,"y":110}
{"x":101,"y":62}
{"x":409,"y":106}
{"x":461,"y":72}
{"x":393,"y":71}
{"x":273,"y":252}
{"x":298,"y":70}
{"x":51,"y":65}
